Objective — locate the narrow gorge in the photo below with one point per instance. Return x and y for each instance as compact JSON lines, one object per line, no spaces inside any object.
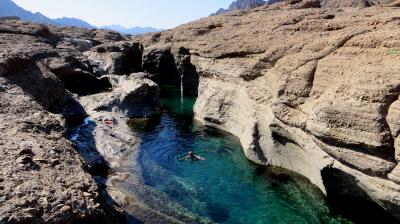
{"x":295,"y":107}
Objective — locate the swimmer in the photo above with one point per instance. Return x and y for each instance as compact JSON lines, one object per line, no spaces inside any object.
{"x":192,"y":156}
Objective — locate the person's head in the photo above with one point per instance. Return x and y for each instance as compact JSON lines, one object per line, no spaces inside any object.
{"x":191,"y":153}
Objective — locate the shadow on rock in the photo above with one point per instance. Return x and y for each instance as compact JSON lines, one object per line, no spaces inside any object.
{"x":81,"y":132}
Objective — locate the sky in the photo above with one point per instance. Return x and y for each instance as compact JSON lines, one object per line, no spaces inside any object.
{"x":162,"y":14}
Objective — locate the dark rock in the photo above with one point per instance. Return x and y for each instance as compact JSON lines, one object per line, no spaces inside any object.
{"x":161,"y":63}
{"x":120,"y":58}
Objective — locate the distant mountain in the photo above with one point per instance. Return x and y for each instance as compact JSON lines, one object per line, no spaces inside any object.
{"x":242,"y":5}
{"x":9,"y":8}
{"x":133,"y":30}
{"x":246,"y":4}
{"x":65,"y":21}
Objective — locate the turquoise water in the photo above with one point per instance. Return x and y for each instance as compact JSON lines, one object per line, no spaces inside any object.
{"x":224,"y":188}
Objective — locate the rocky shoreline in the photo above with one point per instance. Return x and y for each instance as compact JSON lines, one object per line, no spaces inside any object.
{"x":309,"y":89}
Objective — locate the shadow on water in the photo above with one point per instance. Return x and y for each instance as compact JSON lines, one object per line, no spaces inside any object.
{"x":346,"y":198}
{"x":226,"y":187}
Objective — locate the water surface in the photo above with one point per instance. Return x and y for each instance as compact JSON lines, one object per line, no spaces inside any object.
{"x":226,"y":187}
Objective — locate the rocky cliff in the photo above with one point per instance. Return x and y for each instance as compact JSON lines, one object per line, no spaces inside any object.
{"x":314,"y":90}
{"x":51,"y":78}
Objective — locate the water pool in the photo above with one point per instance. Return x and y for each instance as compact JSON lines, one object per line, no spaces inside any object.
{"x":226,"y":187}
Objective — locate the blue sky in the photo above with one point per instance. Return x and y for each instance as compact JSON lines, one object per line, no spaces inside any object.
{"x":155,"y":13}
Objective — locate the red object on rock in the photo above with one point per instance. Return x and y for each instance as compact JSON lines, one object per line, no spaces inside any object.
{"x":108,"y":122}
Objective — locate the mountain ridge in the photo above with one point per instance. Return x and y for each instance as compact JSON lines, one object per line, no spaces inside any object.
{"x":9,"y":8}
{"x":133,"y":30}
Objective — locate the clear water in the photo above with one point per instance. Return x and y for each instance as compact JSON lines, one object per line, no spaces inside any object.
{"x":225,"y":188}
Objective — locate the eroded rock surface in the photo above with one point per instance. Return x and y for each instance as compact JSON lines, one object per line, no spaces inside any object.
{"x":42,"y":176}
{"x":314,"y":90}
{"x":44,"y":179}
{"x":133,"y":96}
{"x":305,"y":88}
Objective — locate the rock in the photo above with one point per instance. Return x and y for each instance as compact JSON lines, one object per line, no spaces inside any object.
{"x":241,"y":5}
{"x":40,"y":168}
{"x":107,"y":36}
{"x":160,"y":62}
{"x":305,"y":86}
{"x":351,"y":3}
{"x":171,"y":68}
{"x":304,"y":4}
{"x":86,"y":194}
{"x":314,"y":90}
{"x":65,"y":208}
{"x":118,"y":58}
{"x":82,"y":44}
{"x":133,"y":96}
{"x":395,"y":175}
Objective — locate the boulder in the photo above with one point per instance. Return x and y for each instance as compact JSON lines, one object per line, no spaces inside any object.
{"x":133,"y":96}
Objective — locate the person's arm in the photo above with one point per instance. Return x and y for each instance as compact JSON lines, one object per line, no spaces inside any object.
{"x":184,"y":158}
{"x":200,"y":158}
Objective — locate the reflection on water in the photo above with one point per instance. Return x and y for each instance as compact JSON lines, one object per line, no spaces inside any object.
{"x":225,"y":188}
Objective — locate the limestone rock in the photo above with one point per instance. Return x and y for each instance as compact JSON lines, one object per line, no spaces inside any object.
{"x":305,"y":86}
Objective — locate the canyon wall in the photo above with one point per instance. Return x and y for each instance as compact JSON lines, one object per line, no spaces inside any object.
{"x":314,"y":90}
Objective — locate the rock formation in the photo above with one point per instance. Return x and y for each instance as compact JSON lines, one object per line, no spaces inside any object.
{"x":314,"y":90}
{"x":310,"y":89}
{"x":47,"y":75}
{"x":241,"y":5}
{"x":245,"y":5}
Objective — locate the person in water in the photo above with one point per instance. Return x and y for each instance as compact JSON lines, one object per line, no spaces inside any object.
{"x":192,"y":156}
